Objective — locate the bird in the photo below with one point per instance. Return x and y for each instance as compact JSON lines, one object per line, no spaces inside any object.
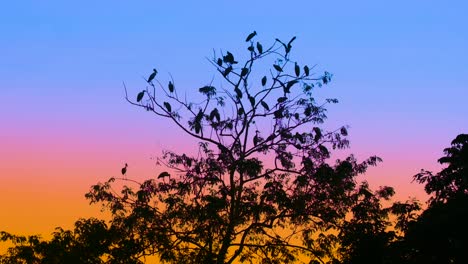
{"x":250,"y":36}
{"x":164,"y":174}
{"x":124,"y":169}
{"x":256,"y":138}
{"x":152,"y":75}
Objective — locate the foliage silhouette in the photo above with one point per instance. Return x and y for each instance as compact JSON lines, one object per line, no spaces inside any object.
{"x":453,"y":180}
{"x":260,"y":190}
{"x":248,"y":195}
{"x":440,"y":234}
{"x":367,"y":236}
{"x":91,"y":241}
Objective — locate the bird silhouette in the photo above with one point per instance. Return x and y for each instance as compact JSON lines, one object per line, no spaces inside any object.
{"x":250,"y":36}
{"x":257,"y":138}
{"x":164,"y":174}
{"x":124,"y":169}
{"x":152,"y":75}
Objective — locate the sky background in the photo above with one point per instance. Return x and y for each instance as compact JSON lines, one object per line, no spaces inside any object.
{"x":400,"y":73}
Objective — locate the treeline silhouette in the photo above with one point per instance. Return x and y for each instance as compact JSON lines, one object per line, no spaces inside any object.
{"x":261,"y":188}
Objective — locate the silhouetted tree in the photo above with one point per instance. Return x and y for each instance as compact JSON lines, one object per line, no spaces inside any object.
{"x":366,"y":236}
{"x":260,"y":187}
{"x":440,"y":234}
{"x":453,"y":180}
{"x":91,"y":241}
{"x":86,"y":244}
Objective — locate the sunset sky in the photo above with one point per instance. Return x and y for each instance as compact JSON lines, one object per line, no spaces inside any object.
{"x":400,"y":73}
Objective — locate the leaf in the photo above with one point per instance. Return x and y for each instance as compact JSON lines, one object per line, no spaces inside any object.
{"x":252,"y":100}
{"x":164,"y":174}
{"x":308,"y":87}
{"x":238,"y":92}
{"x":297,"y":70}
{"x":250,"y":36}
{"x":251,"y":48}
{"x":277,"y":67}
{"x":259,"y":48}
{"x":171,"y":87}
{"x":240,"y":111}
{"x":140,"y":96}
{"x":264,"y":80}
{"x":219,"y":62}
{"x":168,"y":106}
{"x":152,"y":75}
{"x":244,"y":72}
{"x":265,"y":105}
{"x":306,"y":70}
{"x":326,"y":77}
{"x":209,"y":91}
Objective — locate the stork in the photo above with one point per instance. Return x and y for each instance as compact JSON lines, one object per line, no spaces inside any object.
{"x":124,"y":169}
{"x":256,"y":138}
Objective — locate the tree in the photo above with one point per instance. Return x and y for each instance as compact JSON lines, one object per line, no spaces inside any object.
{"x":91,"y":241}
{"x":367,"y":236}
{"x":440,"y":234}
{"x":452,"y":181}
{"x":260,"y":187}
{"x":87,"y":243}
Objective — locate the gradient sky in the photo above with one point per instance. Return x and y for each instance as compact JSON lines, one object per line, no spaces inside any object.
{"x":400,"y":73}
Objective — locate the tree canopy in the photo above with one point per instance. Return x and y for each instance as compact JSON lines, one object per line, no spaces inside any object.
{"x":440,"y":234}
{"x":452,"y":181}
{"x":262,"y":187}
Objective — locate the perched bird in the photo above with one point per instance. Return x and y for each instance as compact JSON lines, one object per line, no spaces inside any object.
{"x":257,"y":138}
{"x":124,"y":169}
{"x":250,"y":36}
{"x":152,"y":75}
{"x":164,"y":174}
